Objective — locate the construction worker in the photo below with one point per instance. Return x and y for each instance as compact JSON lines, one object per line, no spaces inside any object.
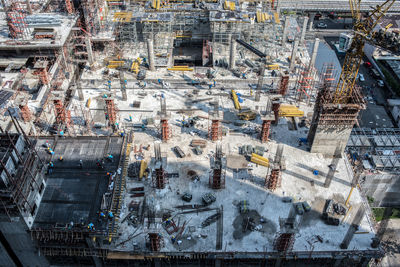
{"x":130,"y":118}
{"x":102,"y":215}
{"x":61,"y":158}
{"x":91,"y":226}
{"x":80,"y":164}
{"x":214,"y":83}
{"x":50,"y":168}
{"x":110,"y":215}
{"x":61,"y":133}
{"x":110,"y":157}
{"x":173,"y":238}
{"x":209,"y":86}
{"x":98,"y":163}
{"x":50,"y":151}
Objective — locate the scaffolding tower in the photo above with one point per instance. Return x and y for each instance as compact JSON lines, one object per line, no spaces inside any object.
{"x":16,"y":19}
{"x":23,"y":175}
{"x":63,"y":116}
{"x":218,"y":171}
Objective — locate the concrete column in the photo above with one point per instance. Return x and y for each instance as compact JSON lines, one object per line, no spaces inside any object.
{"x":312,"y":16}
{"x":285,"y":30}
{"x":89,"y":50}
{"x":150,"y":54}
{"x":314,"y":54}
{"x":28,"y":6}
{"x":303,"y":32}
{"x":278,"y":6}
{"x":170,"y":63}
{"x":294,"y":54}
{"x":3,"y":4}
{"x":80,"y":93}
{"x":260,"y":83}
{"x":33,"y":128}
{"x":232,"y":55}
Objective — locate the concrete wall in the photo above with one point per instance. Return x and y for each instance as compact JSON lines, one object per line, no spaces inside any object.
{"x":383,"y":187}
{"x":329,"y":138}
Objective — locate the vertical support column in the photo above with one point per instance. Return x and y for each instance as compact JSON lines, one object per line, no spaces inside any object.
{"x":275,"y":108}
{"x":260,"y":83}
{"x":79,"y":89}
{"x":312,"y":16}
{"x":274,"y":179}
{"x":215,"y":131}
{"x":217,"y":181}
{"x":28,"y":6}
{"x":285,"y":30}
{"x":294,"y":54}
{"x":303,"y":31}
{"x":25,"y":112}
{"x":111,"y":115}
{"x":232,"y":54}
{"x":165,"y":131}
{"x":265,"y":130}
{"x":353,"y":228}
{"x":89,"y":50}
{"x":155,"y":242}
{"x":314,"y":54}
{"x":150,"y":54}
{"x":170,"y":63}
{"x":284,"y":85}
{"x":159,"y":178}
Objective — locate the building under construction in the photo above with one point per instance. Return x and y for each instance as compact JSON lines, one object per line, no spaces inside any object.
{"x":178,"y":132}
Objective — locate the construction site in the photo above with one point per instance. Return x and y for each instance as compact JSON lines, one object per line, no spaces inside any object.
{"x":193,"y":133}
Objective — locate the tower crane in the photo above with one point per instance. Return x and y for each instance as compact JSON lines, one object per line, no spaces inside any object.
{"x":363,"y":33}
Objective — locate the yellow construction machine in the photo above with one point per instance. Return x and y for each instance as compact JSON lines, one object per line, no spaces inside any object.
{"x":248,"y":115}
{"x":143,"y":167}
{"x":257,"y":159}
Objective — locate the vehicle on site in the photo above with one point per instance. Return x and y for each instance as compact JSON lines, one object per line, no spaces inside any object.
{"x":306,"y":206}
{"x":299,"y":208}
{"x":322,"y":25}
{"x":375,"y":73}
{"x":179,"y":152}
{"x":141,"y":75}
{"x":208,"y":198}
{"x":367,"y":64}
{"x":187,"y":197}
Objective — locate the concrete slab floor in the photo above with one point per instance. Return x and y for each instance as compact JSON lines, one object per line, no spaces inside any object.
{"x":73,"y":194}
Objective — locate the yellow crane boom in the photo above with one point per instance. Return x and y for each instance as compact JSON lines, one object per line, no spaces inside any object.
{"x":363,"y":32}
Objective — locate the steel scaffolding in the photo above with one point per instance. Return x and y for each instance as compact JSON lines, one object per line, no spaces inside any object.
{"x":16,"y":19}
